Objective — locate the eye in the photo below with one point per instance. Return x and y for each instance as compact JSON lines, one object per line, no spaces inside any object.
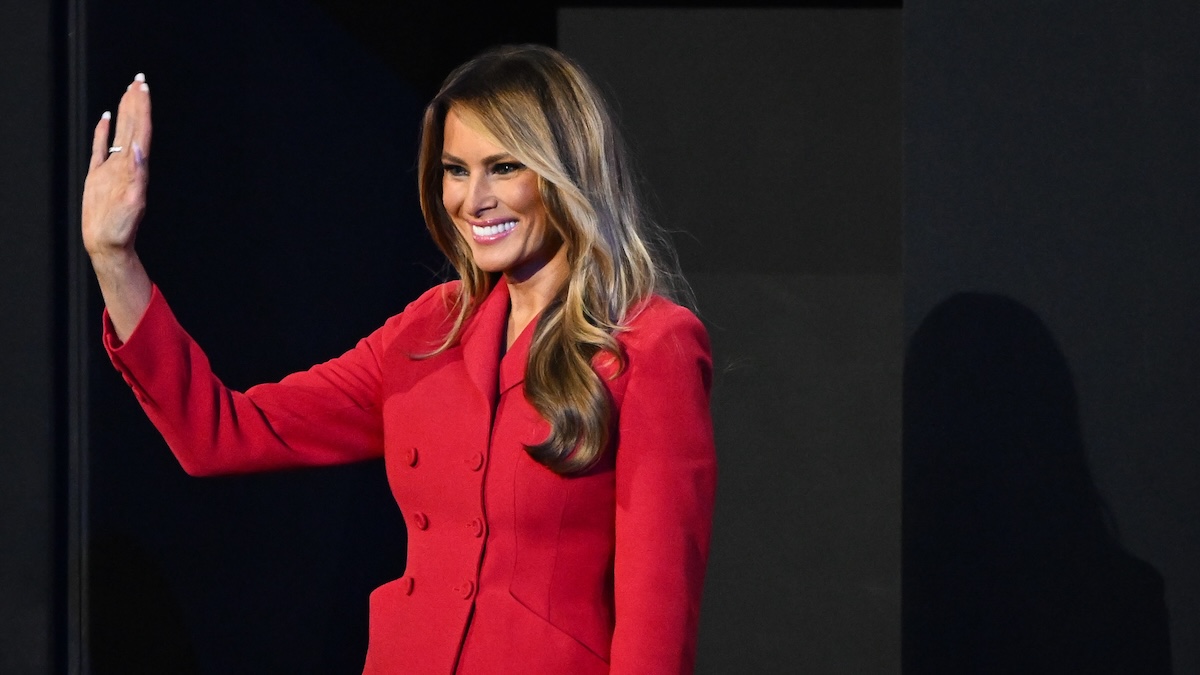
{"x":503,"y":168}
{"x":454,"y":170}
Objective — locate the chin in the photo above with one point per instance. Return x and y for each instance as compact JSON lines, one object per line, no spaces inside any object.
{"x":490,"y":265}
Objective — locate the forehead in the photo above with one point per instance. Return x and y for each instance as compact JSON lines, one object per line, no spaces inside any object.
{"x":465,"y":137}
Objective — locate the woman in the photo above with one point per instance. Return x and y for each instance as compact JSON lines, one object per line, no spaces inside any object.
{"x":543,"y":419}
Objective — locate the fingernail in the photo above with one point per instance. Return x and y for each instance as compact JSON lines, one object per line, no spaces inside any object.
{"x":145,"y":87}
{"x":106,"y":115}
{"x":138,"y":157}
{"x":140,"y":77}
{"x":128,"y":87}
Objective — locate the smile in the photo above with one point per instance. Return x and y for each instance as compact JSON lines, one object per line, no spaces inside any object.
{"x":490,"y":233}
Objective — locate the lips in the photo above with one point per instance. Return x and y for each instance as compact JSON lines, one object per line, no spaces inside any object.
{"x":492,"y":230}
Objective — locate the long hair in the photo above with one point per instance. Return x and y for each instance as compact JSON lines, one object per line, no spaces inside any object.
{"x":543,"y":109}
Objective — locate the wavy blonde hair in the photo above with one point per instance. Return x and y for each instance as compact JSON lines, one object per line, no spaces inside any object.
{"x":542,"y":108}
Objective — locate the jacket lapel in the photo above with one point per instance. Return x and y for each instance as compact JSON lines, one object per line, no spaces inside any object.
{"x":512,"y":366}
{"x":481,"y":342}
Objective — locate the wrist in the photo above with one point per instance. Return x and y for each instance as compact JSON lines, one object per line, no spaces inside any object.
{"x":111,"y":258}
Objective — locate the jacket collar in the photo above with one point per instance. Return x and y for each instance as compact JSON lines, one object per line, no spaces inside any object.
{"x":481,"y":341}
{"x":512,"y":366}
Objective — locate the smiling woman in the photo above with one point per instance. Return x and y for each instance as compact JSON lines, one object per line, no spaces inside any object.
{"x":495,"y":203}
{"x":543,"y":419}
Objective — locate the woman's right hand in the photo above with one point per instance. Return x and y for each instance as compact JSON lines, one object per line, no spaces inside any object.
{"x":114,"y":199}
{"x":114,"y":193}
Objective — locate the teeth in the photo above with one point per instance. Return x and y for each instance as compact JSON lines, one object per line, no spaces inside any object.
{"x":493,"y":230}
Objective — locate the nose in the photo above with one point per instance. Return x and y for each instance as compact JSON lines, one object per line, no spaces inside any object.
{"x":480,"y":196}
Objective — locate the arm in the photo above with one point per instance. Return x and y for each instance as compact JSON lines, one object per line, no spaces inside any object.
{"x":114,"y":200}
{"x":665,"y":484}
{"x":325,"y":415}
{"x":328,"y":414}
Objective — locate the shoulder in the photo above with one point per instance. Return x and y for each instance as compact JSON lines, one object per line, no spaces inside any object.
{"x":438,"y":300}
{"x":431,"y":312}
{"x":657,"y":323}
{"x":667,"y":374}
{"x":662,"y":343}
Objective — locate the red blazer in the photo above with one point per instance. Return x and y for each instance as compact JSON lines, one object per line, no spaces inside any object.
{"x":511,"y":567}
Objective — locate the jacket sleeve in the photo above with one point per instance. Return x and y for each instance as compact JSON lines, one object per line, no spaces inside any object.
{"x":328,"y":414}
{"x":665,"y":486}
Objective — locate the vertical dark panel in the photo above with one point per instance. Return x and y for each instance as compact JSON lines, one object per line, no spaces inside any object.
{"x":72,"y":301}
{"x":282,"y":226}
{"x":1053,"y":154}
{"x":770,"y":141}
{"x":27,"y":360}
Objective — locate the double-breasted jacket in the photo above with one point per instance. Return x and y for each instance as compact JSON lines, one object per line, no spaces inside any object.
{"x":511,"y":567}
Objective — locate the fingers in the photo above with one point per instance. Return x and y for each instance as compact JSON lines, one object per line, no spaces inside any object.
{"x":125,"y":118}
{"x":133,"y":117}
{"x":100,"y":141}
{"x":132,"y":127}
{"x":142,"y":135}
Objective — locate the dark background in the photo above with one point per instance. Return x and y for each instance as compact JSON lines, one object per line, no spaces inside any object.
{"x":769,"y":139}
{"x":1052,"y":154}
{"x":1049,"y":164}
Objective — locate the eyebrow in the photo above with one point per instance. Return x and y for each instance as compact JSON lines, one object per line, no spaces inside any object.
{"x":490,"y":159}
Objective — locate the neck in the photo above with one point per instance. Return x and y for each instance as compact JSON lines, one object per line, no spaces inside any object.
{"x":530,"y":295}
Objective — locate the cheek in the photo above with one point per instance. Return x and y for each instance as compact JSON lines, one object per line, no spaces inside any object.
{"x":528,"y":200}
{"x":451,"y":198}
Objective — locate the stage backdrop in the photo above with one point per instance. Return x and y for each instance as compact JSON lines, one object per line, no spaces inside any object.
{"x":770,"y":140}
{"x":282,"y":227}
{"x":1052,"y":154}
{"x":31,"y":392}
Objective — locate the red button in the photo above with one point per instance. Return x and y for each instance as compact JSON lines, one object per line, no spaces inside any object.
{"x":411,"y":457}
{"x":476,"y":461}
{"x":420,"y":520}
{"x":476,"y":526}
{"x":467,"y":589}
{"x":407,"y":584}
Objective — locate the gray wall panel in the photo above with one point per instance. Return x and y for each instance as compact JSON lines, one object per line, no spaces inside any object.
{"x":27,"y":358}
{"x":806,"y":539}
{"x":770,"y":140}
{"x":1052,"y":157}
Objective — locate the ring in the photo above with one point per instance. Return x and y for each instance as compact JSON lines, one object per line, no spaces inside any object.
{"x":116,"y":148}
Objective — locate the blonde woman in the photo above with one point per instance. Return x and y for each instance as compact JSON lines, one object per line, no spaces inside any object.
{"x":543,"y":419}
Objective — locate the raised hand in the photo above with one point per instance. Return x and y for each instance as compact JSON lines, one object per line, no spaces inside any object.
{"x":114,"y":199}
{"x":114,"y":193}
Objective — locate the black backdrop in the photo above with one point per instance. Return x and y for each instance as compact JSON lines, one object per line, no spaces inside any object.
{"x":281,"y":146}
{"x":1049,"y":155}
{"x":1052,"y":153}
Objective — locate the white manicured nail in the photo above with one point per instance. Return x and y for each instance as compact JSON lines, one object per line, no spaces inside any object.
{"x":145,"y":87}
{"x":128,"y":87}
{"x":106,"y":116}
{"x":140,"y":77}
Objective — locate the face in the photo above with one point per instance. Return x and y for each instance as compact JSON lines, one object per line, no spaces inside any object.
{"x":495,"y":204}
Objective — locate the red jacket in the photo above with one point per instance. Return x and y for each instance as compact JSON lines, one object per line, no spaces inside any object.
{"x":511,"y":567}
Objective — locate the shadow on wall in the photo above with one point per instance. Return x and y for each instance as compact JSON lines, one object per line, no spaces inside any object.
{"x":1011,"y":562}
